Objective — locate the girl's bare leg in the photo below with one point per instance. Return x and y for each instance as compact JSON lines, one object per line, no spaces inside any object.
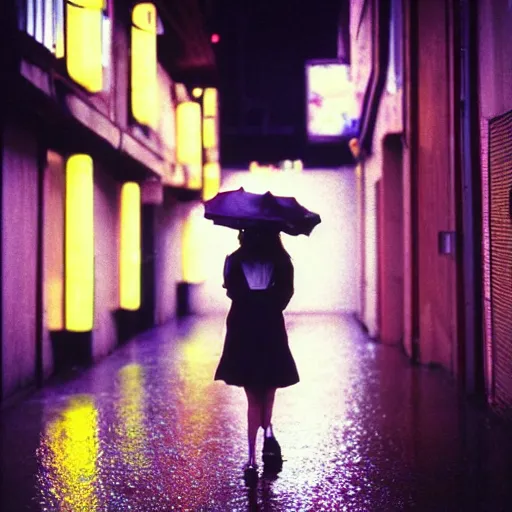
{"x":271,"y":454}
{"x":254,"y":416}
{"x":266,"y":411}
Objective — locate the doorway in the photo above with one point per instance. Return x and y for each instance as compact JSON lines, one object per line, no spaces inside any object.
{"x":391,"y":243}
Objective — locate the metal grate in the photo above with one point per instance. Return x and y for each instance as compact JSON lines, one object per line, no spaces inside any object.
{"x":500,"y":186}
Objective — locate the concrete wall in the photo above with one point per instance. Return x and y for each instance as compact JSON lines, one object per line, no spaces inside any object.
{"x":389,"y":120}
{"x":54,"y":197}
{"x":106,"y":260}
{"x":168,"y":271}
{"x":326,"y":264}
{"x":32,"y":270}
{"x":19,"y":242}
{"x":436,"y":184}
{"x":495,"y":98}
{"x":21,"y":215}
{"x":428,"y":182}
{"x":361,"y":25}
{"x":20,"y":253}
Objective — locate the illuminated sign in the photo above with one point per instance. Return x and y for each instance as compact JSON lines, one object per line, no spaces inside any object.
{"x":332,"y":109}
{"x":210,"y":101}
{"x":79,"y":244}
{"x":192,"y":247}
{"x":209,"y":132}
{"x":144,"y":65}
{"x":189,"y":142}
{"x":130,"y":247}
{"x":84,"y":43}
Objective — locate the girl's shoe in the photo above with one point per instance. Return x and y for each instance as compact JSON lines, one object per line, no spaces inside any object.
{"x":272,"y":458}
{"x":250,"y":475}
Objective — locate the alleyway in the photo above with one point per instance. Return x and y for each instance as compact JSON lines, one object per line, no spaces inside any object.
{"x":148,"y":430}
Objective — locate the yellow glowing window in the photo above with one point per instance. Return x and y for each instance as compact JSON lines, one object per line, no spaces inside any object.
{"x":210,"y":102}
{"x":144,"y":65}
{"x":129,"y":286}
{"x":84,"y":22}
{"x":79,"y":244}
{"x":192,"y":247}
{"x":188,"y":132}
{"x":44,"y":21}
{"x":209,"y":132}
{"x":211,"y":179}
{"x":189,"y":149}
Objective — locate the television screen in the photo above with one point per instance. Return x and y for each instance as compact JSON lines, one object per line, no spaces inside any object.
{"x":332,"y":110}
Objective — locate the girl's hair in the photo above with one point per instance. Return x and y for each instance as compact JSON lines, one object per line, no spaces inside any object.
{"x":264,"y":243}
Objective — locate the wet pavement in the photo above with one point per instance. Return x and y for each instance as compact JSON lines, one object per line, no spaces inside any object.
{"x":148,"y":429}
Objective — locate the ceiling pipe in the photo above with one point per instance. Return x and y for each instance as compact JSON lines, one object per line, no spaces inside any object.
{"x":380,"y":60}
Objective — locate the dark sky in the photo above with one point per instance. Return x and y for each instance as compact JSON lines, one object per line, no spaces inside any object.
{"x":261,"y":55}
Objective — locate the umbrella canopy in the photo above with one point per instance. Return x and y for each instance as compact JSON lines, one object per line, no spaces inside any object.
{"x":239,"y":209}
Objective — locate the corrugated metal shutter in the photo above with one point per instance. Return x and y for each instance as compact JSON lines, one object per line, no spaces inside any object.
{"x":500,"y":180}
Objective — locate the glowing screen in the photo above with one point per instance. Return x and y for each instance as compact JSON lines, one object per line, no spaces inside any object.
{"x":332,"y":111}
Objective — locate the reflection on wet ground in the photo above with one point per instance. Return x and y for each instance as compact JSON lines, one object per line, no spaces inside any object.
{"x":149,"y":430}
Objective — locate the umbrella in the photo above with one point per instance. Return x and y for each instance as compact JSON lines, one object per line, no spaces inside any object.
{"x":239,"y":209}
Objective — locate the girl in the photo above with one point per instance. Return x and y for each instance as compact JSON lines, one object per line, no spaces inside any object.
{"x":258,"y":278}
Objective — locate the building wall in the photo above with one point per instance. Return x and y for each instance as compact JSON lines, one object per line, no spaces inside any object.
{"x":67,"y":120}
{"x":391,"y":245}
{"x":168,"y":268}
{"x":389,"y":120}
{"x":408,"y":185}
{"x":428,"y":182}
{"x":106,"y":260}
{"x":361,"y":25}
{"x":435,"y":179}
{"x":360,"y":58}
{"x":495,"y":98}
{"x":53,"y":252}
{"x":20,"y":219}
{"x":19,"y":242}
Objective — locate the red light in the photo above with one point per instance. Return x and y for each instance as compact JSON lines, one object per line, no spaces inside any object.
{"x":215,"y":38}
